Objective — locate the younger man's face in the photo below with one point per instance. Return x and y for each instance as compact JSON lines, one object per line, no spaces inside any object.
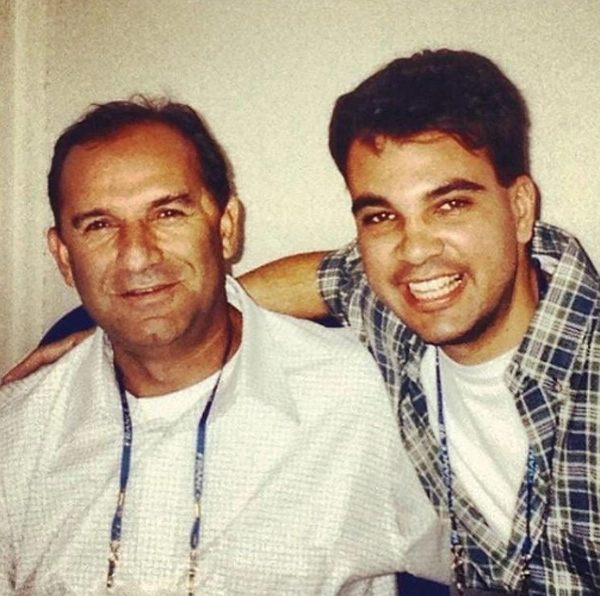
{"x":443,"y":243}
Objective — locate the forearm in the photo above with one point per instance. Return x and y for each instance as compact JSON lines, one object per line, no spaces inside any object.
{"x":288,"y":285}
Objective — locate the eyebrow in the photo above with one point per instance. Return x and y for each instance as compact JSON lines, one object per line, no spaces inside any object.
{"x":79,"y":219}
{"x":456,"y":184}
{"x":368,"y":200}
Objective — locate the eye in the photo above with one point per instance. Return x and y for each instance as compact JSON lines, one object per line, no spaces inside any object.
{"x":96,"y":225}
{"x":170,"y":213}
{"x":453,"y":205}
{"x":377,"y":217}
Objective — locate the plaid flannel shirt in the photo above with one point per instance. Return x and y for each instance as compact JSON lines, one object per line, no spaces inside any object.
{"x":555,"y":380}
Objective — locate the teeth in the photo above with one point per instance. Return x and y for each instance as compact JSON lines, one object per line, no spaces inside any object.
{"x":142,"y":291}
{"x":432,"y":289}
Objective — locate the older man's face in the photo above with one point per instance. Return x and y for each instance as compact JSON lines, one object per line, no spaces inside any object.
{"x":141,"y":238}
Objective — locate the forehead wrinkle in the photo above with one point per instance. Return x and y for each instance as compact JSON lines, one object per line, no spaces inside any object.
{"x":180,"y":197}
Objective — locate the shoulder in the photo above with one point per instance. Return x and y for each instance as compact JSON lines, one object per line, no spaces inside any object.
{"x":562,"y":256}
{"x":344,"y":260}
{"x":345,"y":289}
{"x":573,"y":292}
{"x":330,"y":364}
{"x":312,"y":340}
{"x":304,"y":346}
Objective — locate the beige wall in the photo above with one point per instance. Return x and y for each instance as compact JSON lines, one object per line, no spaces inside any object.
{"x":265,"y":73}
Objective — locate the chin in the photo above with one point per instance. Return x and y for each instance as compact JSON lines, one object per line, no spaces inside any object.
{"x":152,"y":337}
{"x":441,"y":335}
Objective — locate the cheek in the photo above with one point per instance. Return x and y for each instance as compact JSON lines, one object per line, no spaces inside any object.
{"x":492,"y":260}
{"x":192,"y":243}
{"x":500,"y":240}
{"x":491,"y":240}
{"x":197,"y":259}
{"x":377,"y":244}
{"x":89,"y":269}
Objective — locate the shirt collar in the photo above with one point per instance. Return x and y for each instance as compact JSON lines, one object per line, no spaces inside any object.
{"x":559,"y":324}
{"x":94,"y":395}
{"x":258,"y":373}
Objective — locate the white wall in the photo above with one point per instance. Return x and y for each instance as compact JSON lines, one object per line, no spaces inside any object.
{"x":265,"y":73}
{"x":24,"y":145}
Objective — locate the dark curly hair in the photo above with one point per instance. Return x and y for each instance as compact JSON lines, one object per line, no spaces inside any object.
{"x":459,"y":93}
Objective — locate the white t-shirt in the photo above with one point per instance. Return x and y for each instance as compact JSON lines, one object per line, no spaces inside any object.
{"x":487,"y":441}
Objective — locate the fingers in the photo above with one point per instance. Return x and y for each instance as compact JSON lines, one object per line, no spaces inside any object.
{"x":44,"y":355}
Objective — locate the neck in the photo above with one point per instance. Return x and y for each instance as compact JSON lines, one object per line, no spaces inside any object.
{"x":148,"y":375}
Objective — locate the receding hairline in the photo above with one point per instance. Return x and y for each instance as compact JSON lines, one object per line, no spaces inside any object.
{"x":121,"y":132}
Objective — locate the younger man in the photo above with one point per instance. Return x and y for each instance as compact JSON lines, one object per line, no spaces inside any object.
{"x":485,"y":325}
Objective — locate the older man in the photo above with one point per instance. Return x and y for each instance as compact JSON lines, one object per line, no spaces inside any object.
{"x":195,"y":443}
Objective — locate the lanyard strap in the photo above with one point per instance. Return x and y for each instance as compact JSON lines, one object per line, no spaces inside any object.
{"x":117,"y":521}
{"x":456,"y":547}
{"x":198,"y":484}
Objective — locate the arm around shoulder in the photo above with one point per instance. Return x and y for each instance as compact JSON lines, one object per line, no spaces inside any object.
{"x":288,"y":285}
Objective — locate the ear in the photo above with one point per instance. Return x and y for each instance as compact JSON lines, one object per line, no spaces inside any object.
{"x":60,"y":253}
{"x":524,"y":198}
{"x":230,"y":228}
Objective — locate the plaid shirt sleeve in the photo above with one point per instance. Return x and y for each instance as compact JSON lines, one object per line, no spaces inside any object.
{"x":342,"y":283}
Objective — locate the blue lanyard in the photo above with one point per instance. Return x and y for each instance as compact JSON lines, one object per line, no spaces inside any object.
{"x":456,"y":547}
{"x":117,"y":522}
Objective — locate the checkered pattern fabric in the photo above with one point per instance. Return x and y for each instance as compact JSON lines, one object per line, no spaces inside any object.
{"x":555,"y":380}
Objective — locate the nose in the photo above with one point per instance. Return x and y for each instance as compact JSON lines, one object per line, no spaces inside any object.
{"x":138,"y":247}
{"x":419,"y":242}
